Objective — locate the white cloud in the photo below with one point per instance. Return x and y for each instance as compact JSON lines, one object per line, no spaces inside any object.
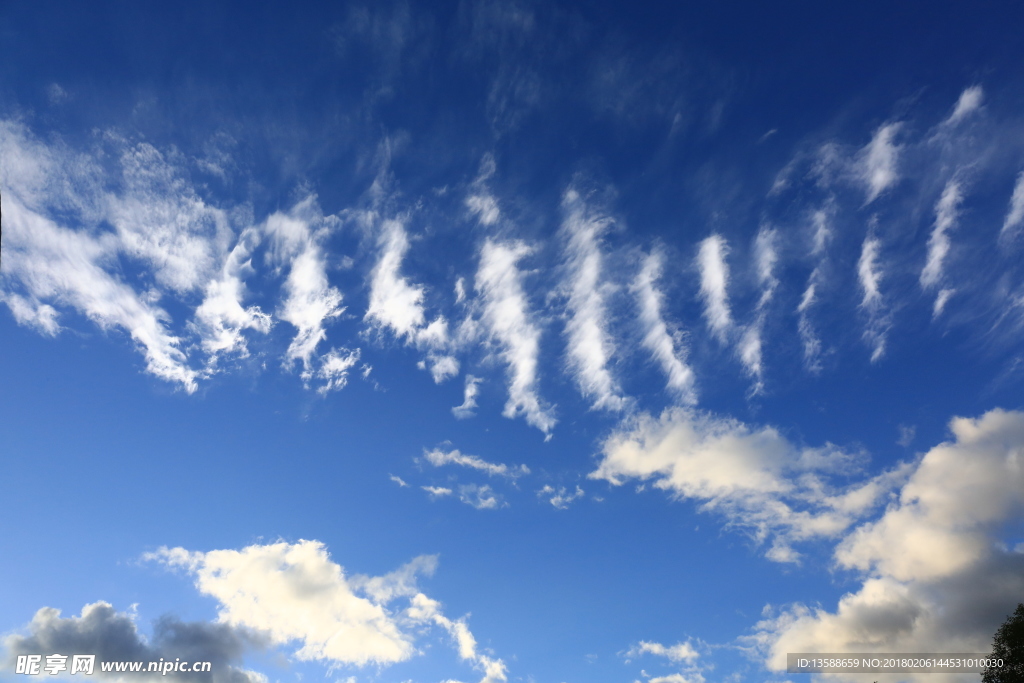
{"x":439,"y":458}
{"x":1015,"y":214}
{"x":969,"y":102}
{"x":294,"y":593}
{"x":394,"y":303}
{"x":590,"y":346}
{"x":946,"y":217}
{"x":667,"y":348}
{"x":560,"y":498}
{"x":310,"y":300}
{"x":936,"y":573}
{"x":437,"y":491}
{"x":941,"y":299}
{"x":714,"y":281}
{"x":471,"y":391}
{"x":750,"y":347}
{"x":481,"y":497}
{"x":159,"y":219}
{"x":870,"y":275}
{"x":398,"y":480}
{"x":221,"y":319}
{"x":508,"y":322}
{"x":427,"y":610}
{"x":820,"y":221}
{"x":334,"y":368}
{"x":480,"y":202}
{"x":46,"y":263}
{"x":755,"y":477}
{"x":69,"y":268}
{"x":680,"y":652}
{"x":877,"y":163}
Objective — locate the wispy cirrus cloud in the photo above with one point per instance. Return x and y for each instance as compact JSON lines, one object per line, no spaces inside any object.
{"x":509,"y":323}
{"x":714,"y":282}
{"x":439,"y":458}
{"x":667,"y":347}
{"x":590,"y":346}
{"x":310,"y":302}
{"x":870,"y":275}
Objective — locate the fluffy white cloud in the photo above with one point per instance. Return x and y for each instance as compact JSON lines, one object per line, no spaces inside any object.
{"x":507,"y":319}
{"x":667,"y":347}
{"x":294,"y":593}
{"x":680,"y":652}
{"x":714,"y":282}
{"x":755,"y":477}
{"x":438,"y":458}
{"x":590,"y":345}
{"x":937,"y":573}
{"x":334,"y":368}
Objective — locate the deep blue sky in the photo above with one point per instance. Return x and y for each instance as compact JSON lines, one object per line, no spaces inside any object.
{"x":730,"y":296}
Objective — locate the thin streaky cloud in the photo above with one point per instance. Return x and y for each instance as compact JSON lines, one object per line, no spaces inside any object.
{"x":714,"y":281}
{"x":947,"y":212}
{"x":590,"y":346}
{"x":507,"y":319}
{"x":878,"y":162}
{"x":1015,"y":214}
{"x":310,"y":300}
{"x":970,"y":101}
{"x":766,"y":258}
{"x":870,"y":276}
{"x":668,"y":349}
{"x":438,"y":458}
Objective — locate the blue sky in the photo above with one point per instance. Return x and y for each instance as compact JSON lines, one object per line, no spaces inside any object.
{"x":507,"y":341}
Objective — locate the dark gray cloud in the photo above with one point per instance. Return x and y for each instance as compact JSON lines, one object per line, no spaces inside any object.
{"x":113,"y":637}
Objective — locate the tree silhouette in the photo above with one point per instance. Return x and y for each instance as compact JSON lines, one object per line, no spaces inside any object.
{"x":1008,"y":645}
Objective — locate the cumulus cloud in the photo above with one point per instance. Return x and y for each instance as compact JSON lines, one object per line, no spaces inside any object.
{"x":509,"y":323}
{"x":470,"y":392}
{"x":310,"y":300}
{"x":714,"y":282}
{"x":877,"y":164}
{"x":667,"y":347}
{"x":114,"y":637}
{"x":937,"y":574}
{"x":560,"y":498}
{"x":753,"y":476}
{"x":946,"y":218}
{"x":590,"y":345}
{"x":869,"y":274}
{"x":438,"y":458}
